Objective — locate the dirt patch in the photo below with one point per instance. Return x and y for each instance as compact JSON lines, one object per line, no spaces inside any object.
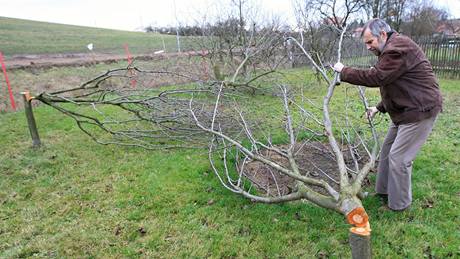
{"x":49,"y":73}
{"x":44,"y":61}
{"x":314,"y":159}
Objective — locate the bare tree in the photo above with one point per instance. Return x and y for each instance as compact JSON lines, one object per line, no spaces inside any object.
{"x":395,"y":12}
{"x":320,"y":22}
{"x":239,"y":40}
{"x":238,"y":134}
{"x":423,"y":19}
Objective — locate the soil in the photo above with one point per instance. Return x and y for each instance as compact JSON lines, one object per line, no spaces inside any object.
{"x":315,"y":159}
{"x":79,"y":59}
{"x":36,"y":73}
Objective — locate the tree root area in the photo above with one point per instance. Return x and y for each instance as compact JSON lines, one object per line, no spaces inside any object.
{"x":314,"y":159}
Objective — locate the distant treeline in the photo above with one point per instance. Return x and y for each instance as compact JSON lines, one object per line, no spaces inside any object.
{"x":183,"y":31}
{"x":232,"y":26}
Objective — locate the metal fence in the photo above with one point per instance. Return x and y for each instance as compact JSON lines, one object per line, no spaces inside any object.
{"x":443,"y":53}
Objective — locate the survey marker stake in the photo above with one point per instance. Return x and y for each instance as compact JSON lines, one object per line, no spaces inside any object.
{"x":30,"y":119}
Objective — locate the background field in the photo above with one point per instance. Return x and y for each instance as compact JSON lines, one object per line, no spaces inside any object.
{"x":31,"y":37}
{"x":75,"y":198}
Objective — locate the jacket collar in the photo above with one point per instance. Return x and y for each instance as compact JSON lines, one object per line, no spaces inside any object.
{"x":389,"y":35}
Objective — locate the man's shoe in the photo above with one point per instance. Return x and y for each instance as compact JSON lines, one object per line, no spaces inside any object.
{"x":381,"y":196}
{"x":386,"y":208}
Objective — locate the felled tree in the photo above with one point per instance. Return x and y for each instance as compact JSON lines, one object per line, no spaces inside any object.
{"x":221,"y":115}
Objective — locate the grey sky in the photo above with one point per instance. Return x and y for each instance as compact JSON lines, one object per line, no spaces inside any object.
{"x":132,"y":14}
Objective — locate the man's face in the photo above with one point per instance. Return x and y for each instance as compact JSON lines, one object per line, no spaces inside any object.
{"x":373,"y":43}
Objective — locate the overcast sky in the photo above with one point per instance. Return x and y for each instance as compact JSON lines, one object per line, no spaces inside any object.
{"x":134,"y":14}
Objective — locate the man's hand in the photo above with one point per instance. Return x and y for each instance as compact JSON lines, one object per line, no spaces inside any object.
{"x":338,"y":67}
{"x":370,"y":113}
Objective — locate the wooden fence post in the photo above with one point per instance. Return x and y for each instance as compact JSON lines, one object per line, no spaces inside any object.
{"x":31,"y":120}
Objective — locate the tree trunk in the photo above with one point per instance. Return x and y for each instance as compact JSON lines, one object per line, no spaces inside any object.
{"x":360,"y":243}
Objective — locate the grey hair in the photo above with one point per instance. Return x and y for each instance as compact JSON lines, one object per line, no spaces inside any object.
{"x":375,"y":26}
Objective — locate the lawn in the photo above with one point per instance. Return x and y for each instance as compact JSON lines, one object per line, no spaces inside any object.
{"x":19,"y":36}
{"x":75,"y":198}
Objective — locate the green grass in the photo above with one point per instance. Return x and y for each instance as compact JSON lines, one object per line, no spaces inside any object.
{"x":75,"y":198}
{"x":19,"y":36}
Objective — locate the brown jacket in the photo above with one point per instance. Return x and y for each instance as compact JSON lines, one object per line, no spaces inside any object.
{"x":408,"y":86}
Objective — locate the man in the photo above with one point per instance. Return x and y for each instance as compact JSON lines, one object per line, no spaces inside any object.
{"x":409,"y":93}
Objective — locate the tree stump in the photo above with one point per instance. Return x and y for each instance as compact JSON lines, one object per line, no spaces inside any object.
{"x":360,"y":235}
{"x":360,"y":243}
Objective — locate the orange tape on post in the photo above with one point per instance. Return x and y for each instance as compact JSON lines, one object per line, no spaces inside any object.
{"x":130,"y":61}
{"x":27,"y":95}
{"x":203,"y":63}
{"x":128,"y":54}
{"x":13,"y":104}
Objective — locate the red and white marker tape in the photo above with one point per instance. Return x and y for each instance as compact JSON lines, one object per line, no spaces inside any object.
{"x":130,"y":61}
{"x":13,"y":104}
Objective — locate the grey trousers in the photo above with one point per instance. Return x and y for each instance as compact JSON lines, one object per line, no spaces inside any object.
{"x":399,"y":149}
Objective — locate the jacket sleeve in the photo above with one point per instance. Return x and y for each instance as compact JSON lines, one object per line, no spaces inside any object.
{"x":390,"y":67}
{"x":380,"y":107}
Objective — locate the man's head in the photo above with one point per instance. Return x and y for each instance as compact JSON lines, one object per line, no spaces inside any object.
{"x":375,"y":35}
